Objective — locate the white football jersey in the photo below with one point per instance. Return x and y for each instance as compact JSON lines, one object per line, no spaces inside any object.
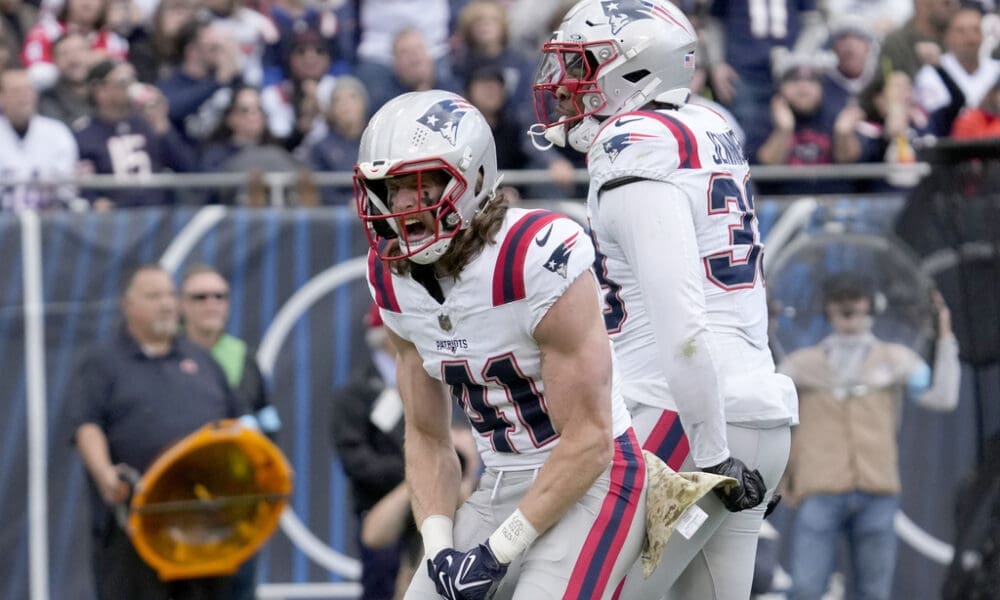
{"x":479,"y":341}
{"x":695,"y":152}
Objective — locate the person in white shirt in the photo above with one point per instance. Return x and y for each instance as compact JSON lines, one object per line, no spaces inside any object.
{"x":36,"y":152}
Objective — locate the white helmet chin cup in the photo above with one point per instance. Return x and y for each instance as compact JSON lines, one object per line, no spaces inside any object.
{"x":429,"y":254}
{"x":583,"y":134}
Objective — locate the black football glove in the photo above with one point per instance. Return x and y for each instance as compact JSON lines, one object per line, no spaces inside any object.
{"x":773,"y":504}
{"x":750,"y":491}
{"x":472,"y":575}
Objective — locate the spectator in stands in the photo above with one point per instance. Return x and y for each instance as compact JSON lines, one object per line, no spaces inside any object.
{"x":981,"y":122}
{"x":880,"y":16}
{"x":379,"y":24}
{"x":201,"y":86}
{"x":337,"y":147}
{"x":157,"y":52}
{"x":486,"y":90}
{"x":894,"y":119}
{"x":251,"y":30}
{"x":739,"y":38}
{"x":120,"y":140}
{"x":292,"y":106}
{"x":84,"y":16}
{"x":413,"y":70}
{"x":803,"y":131}
{"x":32,"y":147}
{"x":293,"y":16}
{"x":17,"y":17}
{"x":853,"y":42}
{"x":69,"y":100}
{"x":242,"y":143}
{"x":484,"y":40}
{"x":843,"y":471}
{"x":974,"y":74}
{"x":204,"y":311}
{"x":133,"y":396}
{"x":930,"y":19}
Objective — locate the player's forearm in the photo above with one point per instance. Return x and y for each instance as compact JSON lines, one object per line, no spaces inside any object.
{"x":433,"y":475}
{"x":583,"y":453}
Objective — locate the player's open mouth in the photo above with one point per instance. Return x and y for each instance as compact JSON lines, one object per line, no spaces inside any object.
{"x":415,"y":229}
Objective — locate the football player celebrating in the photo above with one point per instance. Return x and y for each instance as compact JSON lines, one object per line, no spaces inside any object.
{"x":498,"y":308}
{"x":679,"y":258}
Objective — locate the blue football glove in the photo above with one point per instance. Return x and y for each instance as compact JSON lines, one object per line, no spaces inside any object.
{"x":472,"y":575}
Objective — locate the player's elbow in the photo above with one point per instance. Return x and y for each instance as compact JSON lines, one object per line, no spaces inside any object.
{"x":594,"y":446}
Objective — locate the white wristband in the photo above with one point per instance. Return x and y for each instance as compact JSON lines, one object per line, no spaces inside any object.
{"x":512,"y":537}
{"x":436,"y":530}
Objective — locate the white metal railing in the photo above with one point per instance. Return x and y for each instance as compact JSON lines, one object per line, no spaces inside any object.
{"x":279,"y":182}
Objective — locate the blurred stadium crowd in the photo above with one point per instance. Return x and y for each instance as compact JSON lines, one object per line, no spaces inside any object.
{"x":130,"y":87}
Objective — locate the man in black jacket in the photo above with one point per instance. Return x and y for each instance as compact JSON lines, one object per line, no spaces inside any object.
{"x":367,"y":431}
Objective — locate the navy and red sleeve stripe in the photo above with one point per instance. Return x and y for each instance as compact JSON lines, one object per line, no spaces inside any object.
{"x":508,"y":276}
{"x":381,"y":279}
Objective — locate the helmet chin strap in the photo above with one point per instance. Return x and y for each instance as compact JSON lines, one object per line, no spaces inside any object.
{"x":550,"y":134}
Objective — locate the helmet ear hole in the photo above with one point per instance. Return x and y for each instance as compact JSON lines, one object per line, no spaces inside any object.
{"x":636,"y":76}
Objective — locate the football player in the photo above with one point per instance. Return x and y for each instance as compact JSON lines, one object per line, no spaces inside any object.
{"x":498,"y":308}
{"x":679,"y":257}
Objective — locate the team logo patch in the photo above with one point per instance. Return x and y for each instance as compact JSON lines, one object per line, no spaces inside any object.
{"x":560,"y":256}
{"x":444,"y":117}
{"x":614,"y":146}
{"x":445,"y":322}
{"x":188,"y":366}
{"x":622,"y":12}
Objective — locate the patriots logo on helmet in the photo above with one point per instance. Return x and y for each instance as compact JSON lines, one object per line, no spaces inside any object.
{"x":444,"y":117}
{"x":622,"y":12}
{"x":614,"y":146}
{"x":560,"y":256}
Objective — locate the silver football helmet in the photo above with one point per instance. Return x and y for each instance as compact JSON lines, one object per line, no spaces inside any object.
{"x":434,"y":136}
{"x":609,"y":57}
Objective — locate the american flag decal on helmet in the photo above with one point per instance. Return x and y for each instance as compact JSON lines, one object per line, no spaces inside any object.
{"x":690,"y":62}
{"x":560,"y":256}
{"x":444,"y":117}
{"x":614,"y":146}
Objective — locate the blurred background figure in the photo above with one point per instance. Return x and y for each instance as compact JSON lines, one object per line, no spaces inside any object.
{"x":133,"y":396}
{"x":88,"y":17}
{"x":292,"y":105}
{"x":35,"y":150}
{"x":900,"y":48}
{"x":201,"y":85}
{"x":739,"y":38}
{"x":483,"y":36}
{"x":333,"y":144}
{"x":843,"y":472}
{"x":204,"y":312}
{"x":856,"y":48}
{"x":121,"y":140}
{"x":804,"y":123}
{"x":367,"y":428}
{"x":68,"y":99}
